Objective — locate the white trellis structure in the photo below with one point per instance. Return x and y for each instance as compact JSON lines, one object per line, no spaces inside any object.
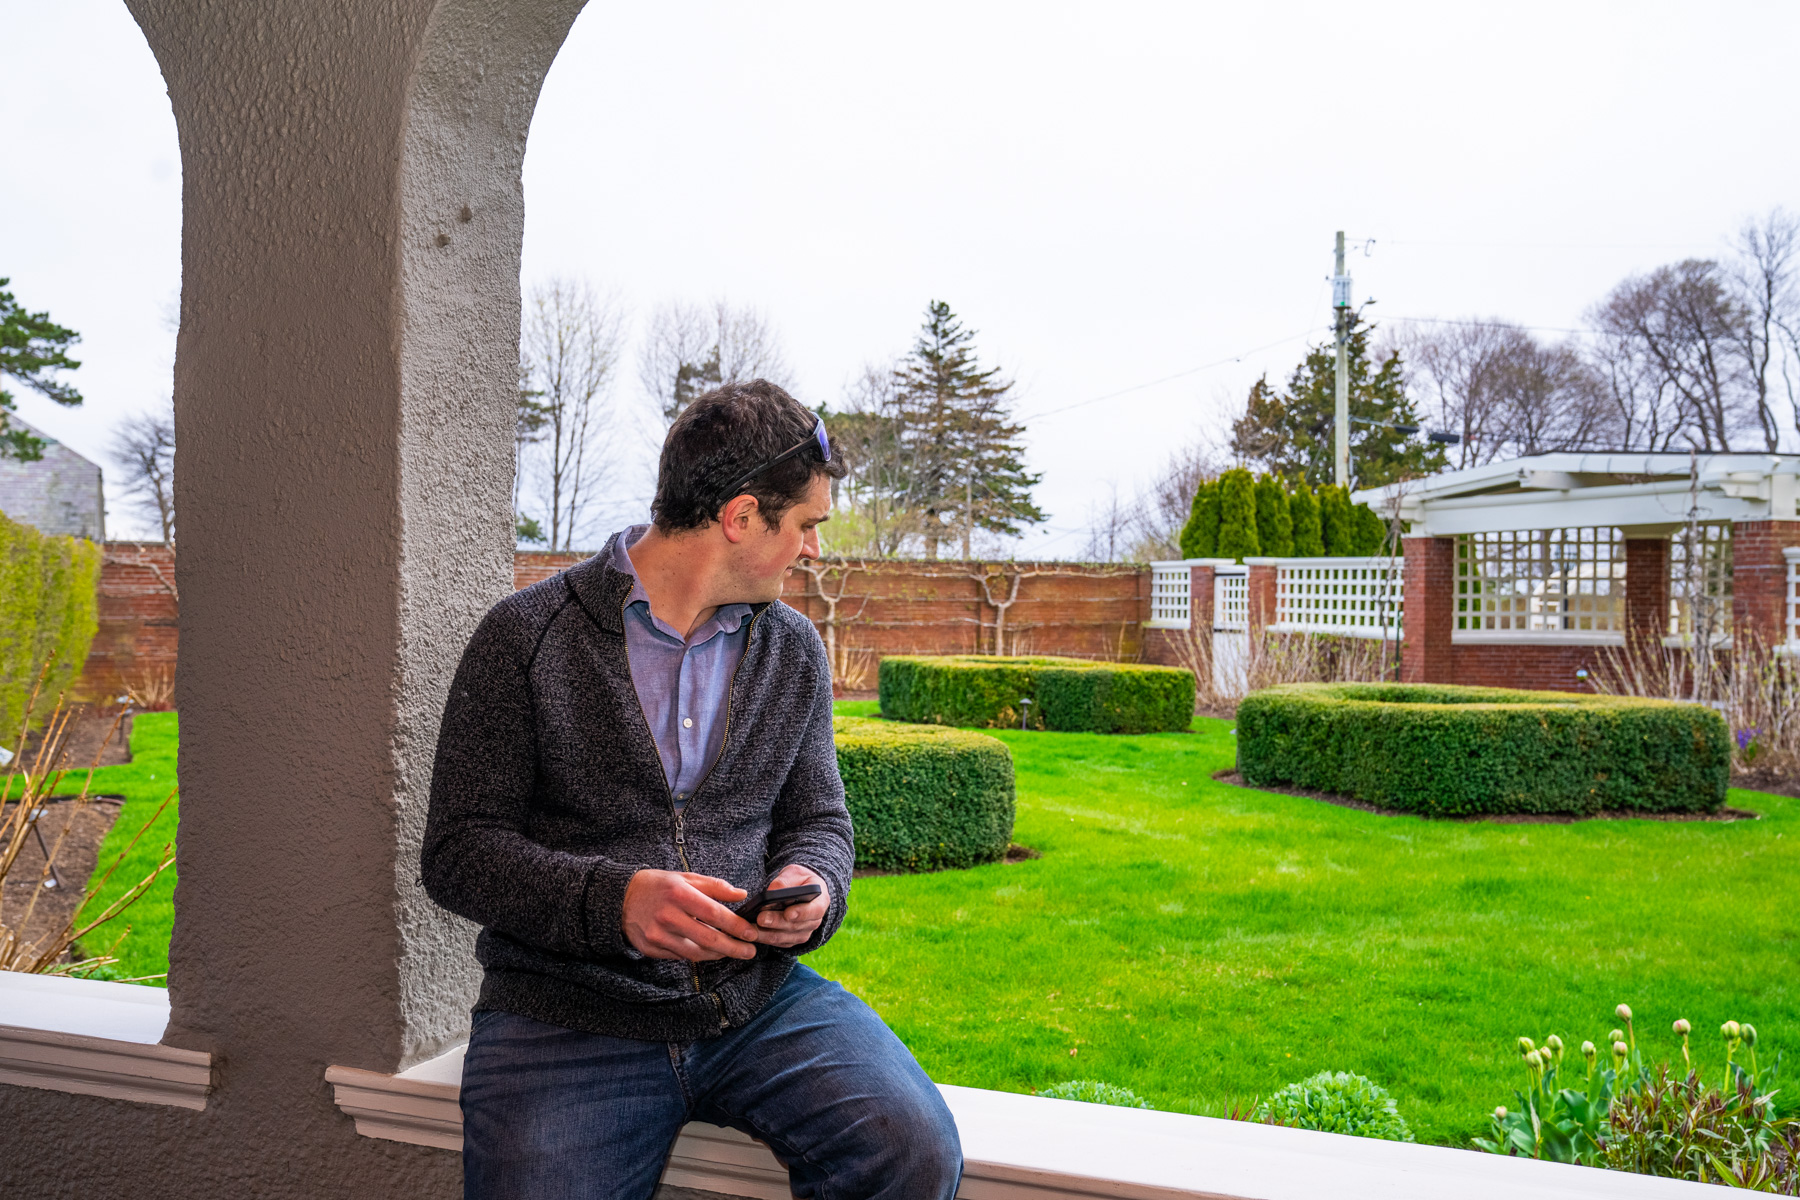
{"x":1348,"y":597}
{"x":1792,"y":554}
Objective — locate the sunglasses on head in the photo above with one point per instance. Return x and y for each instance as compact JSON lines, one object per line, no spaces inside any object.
{"x":816,"y":438}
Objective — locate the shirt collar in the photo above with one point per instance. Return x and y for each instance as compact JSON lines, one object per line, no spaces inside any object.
{"x":726,"y":619}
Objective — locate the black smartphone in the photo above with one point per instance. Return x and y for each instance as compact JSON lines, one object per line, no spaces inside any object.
{"x":777,"y":899}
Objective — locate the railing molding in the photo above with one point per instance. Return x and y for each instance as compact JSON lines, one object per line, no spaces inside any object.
{"x":90,"y":1037}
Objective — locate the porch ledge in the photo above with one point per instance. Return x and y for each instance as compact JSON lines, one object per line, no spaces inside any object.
{"x":1508,"y":637}
{"x":1031,"y":1148}
{"x":95,"y":1038}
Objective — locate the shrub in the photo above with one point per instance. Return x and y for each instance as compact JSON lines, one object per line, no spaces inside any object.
{"x":1200,"y":536}
{"x":1438,"y":750}
{"x":1274,"y":518}
{"x":1092,"y":1091}
{"x":1368,"y":532}
{"x":1337,"y":1102}
{"x":1067,"y":694}
{"x":1237,"y":515}
{"x":1334,"y":520}
{"x":1303,"y":510}
{"x":923,"y":798}
{"x":48,"y":613}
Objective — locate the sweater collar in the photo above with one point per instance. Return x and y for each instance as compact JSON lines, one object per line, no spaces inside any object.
{"x":602,"y":589}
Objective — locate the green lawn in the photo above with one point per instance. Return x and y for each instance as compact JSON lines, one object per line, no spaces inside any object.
{"x":1200,"y":943}
{"x":1197,"y":942}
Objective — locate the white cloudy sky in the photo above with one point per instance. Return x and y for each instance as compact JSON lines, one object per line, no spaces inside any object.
{"x":1110,"y":193}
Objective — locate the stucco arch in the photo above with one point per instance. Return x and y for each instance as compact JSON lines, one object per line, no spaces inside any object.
{"x":345,"y":383}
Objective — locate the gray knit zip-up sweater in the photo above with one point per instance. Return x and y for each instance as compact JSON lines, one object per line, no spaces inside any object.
{"x":548,"y":795}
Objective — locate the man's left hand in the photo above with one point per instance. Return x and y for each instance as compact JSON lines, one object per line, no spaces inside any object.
{"x":792,"y":926}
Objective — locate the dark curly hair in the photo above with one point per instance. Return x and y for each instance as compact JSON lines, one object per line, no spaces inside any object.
{"x":724,"y":433}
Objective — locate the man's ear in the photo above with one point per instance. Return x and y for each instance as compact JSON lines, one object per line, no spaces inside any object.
{"x":735,"y":517}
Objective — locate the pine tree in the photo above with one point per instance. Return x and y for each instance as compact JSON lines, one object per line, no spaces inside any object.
{"x":1237,"y":515}
{"x":1274,"y":520}
{"x":1303,"y":506}
{"x":1334,"y":521}
{"x":1368,"y":530}
{"x":963,"y":453}
{"x":1200,"y":536}
{"x":32,"y":347}
{"x":1290,"y":434}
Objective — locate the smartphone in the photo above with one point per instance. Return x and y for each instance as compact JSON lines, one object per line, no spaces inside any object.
{"x":776,"y":899}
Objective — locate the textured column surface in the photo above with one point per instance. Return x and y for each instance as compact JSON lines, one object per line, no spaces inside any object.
{"x":345,"y":390}
{"x":1430,"y":610}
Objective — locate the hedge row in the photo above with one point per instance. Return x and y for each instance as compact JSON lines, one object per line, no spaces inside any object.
{"x":1460,"y":751}
{"x":1239,"y":515}
{"x":1068,"y":694}
{"x":924,"y":798}
{"x":49,"y":590}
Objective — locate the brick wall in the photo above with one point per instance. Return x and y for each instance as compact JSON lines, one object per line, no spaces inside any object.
{"x":1759,"y":578}
{"x":1430,"y":574}
{"x":139,"y":621}
{"x":1510,"y":665}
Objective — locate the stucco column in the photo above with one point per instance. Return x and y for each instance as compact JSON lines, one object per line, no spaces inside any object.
{"x":1646,"y":589}
{"x":345,"y":392}
{"x":1430,"y":610}
{"x":1759,"y":578}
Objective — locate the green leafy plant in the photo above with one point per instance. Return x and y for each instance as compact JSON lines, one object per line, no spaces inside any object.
{"x":1303,"y":511}
{"x":923,"y":797}
{"x":1065,"y":694}
{"x":1274,"y":518}
{"x":1238,"y":537}
{"x":1200,"y":536}
{"x":1439,"y":750}
{"x":1094,"y":1092}
{"x":48,"y":613}
{"x":1336,"y":1102}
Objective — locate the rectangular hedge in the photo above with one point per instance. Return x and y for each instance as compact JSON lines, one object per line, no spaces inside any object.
{"x":49,"y":612}
{"x":923,"y":798}
{"x":1455,"y":751}
{"x":1068,"y":694}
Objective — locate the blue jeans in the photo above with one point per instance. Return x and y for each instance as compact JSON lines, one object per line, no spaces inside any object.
{"x":553,"y":1112}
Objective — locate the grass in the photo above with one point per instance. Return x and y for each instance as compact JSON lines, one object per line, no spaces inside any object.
{"x":144,"y":782}
{"x":1199,"y":943}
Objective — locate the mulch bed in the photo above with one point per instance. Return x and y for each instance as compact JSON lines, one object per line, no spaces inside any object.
{"x":1231,"y":776}
{"x":1773,"y":782}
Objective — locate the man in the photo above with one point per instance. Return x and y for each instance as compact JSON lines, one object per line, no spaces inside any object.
{"x":630,"y":748}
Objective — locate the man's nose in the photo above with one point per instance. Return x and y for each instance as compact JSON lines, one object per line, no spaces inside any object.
{"x":809,"y":545}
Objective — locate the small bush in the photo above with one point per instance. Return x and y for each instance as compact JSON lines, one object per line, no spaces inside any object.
{"x":1337,"y":1102}
{"x":923,"y":798}
{"x":1092,"y":1091}
{"x":1455,"y":751}
{"x":1068,"y":694}
{"x":48,"y":613}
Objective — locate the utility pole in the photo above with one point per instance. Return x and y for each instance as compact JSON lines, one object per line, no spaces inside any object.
{"x":1340,"y":425}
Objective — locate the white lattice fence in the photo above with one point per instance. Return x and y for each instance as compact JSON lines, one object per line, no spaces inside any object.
{"x":1793,"y":597}
{"x":1557,"y":583}
{"x":1351,"y":597}
{"x":1169,"y":600}
{"x":1231,"y":600}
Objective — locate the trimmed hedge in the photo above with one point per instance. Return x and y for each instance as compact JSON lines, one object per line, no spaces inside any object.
{"x":49,"y":609}
{"x":1448,"y":751}
{"x":924,"y":798}
{"x":1068,"y":694}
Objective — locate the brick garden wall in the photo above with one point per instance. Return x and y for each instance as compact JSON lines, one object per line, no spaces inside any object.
{"x":139,"y":620}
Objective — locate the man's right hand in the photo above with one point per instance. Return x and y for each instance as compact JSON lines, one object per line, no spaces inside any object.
{"x":677,"y":914}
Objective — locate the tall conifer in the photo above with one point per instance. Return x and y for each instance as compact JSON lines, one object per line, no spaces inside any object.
{"x":1274,"y":521}
{"x":1303,"y":507}
{"x":1237,"y":515}
{"x":1334,"y":520}
{"x":1200,"y":536}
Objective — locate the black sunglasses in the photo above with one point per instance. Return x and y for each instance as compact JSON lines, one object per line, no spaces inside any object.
{"x":816,"y":438}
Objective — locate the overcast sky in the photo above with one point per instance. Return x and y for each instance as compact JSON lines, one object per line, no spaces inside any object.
{"x":1112,"y":194}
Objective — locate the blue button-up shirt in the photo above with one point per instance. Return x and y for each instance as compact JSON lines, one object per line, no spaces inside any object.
{"x":682,"y":683}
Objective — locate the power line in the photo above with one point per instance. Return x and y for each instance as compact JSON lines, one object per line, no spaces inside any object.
{"x":1169,"y":378}
{"x":1483,"y":324}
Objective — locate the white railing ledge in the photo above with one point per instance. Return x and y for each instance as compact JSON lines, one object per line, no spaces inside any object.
{"x":1507,"y":637}
{"x":95,"y":1038}
{"x":1030,"y":1148}
{"x":1791,"y":553}
{"x":1390,"y":632}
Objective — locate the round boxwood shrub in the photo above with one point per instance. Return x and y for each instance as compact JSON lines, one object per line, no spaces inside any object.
{"x":1446,"y":751}
{"x":923,"y":798}
{"x":1069,"y":694}
{"x":1337,"y":1102}
{"x":1092,"y":1091}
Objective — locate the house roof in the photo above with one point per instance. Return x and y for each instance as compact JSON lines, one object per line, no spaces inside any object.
{"x":1642,"y":492}
{"x":60,"y":493}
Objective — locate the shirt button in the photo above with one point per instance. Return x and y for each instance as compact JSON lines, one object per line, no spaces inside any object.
{"x":687,"y":722}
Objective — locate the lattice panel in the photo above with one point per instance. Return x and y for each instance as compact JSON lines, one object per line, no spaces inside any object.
{"x":1169,"y":600}
{"x":1542,"y":581}
{"x":1231,"y":601}
{"x":1361,"y":598}
{"x":1793,"y":603}
{"x":1700,"y":579}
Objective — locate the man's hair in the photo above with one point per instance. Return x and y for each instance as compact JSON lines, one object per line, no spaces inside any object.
{"x":721,"y":435}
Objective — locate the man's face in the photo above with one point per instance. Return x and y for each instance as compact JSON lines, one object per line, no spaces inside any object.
{"x":765,"y":557}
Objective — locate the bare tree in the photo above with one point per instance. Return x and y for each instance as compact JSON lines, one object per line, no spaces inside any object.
{"x":1767,"y":279}
{"x":569,"y":346}
{"x":144,"y":448}
{"x":688,"y":350}
{"x":1110,"y":522}
{"x":880,"y":517}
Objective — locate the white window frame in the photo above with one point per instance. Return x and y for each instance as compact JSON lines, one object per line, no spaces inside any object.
{"x":1561,"y":599}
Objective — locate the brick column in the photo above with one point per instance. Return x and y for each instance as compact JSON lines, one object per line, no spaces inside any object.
{"x":1430,"y":610}
{"x":1200,"y":599}
{"x":1260,"y":595}
{"x":1646,"y":589}
{"x":1759,"y":578}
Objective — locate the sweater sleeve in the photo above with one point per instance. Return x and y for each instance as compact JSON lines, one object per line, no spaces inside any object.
{"x":810,"y":824}
{"x":476,"y":860}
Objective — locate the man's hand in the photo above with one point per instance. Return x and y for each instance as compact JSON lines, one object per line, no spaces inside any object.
{"x":792,"y":926}
{"x":677,"y":914}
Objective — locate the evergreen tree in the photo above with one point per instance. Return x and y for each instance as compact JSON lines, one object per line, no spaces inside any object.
{"x":1334,"y":521}
{"x":1274,"y":520}
{"x":1237,"y":515}
{"x":963,"y":454}
{"x":1303,"y":506}
{"x":1369,"y":531}
{"x":1200,"y":536}
{"x":31,"y":347}
{"x":1290,"y":434}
